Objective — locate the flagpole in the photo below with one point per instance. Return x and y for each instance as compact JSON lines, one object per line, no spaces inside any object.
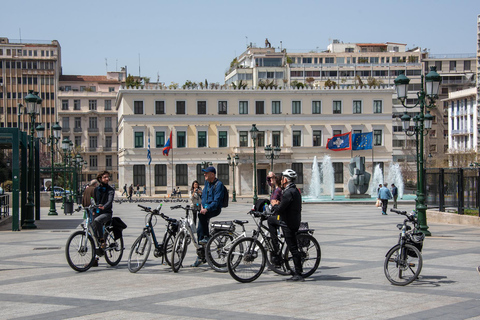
{"x":171,"y":150}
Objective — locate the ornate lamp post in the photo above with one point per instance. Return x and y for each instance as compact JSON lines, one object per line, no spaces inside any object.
{"x":254,"y":133}
{"x":272,"y":153}
{"x":78,"y":167}
{"x":206,"y":164}
{"x":51,"y":140}
{"x":233,"y":163}
{"x":422,"y":123}
{"x":66,"y":156}
{"x":33,"y":102}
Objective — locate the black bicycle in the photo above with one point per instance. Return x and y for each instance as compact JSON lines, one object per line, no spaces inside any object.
{"x":247,"y":257}
{"x":141,"y":247}
{"x":403,"y":262}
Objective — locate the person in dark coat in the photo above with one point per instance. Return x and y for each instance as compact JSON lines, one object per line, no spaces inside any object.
{"x":103,"y":196}
{"x":394,"y":195}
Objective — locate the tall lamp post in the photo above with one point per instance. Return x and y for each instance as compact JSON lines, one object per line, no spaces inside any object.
{"x":66,"y":156}
{"x":254,"y":134}
{"x":422,"y":123}
{"x":272,"y":153}
{"x":33,"y":102}
{"x":78,"y":167}
{"x":233,"y":163}
{"x":51,"y":140}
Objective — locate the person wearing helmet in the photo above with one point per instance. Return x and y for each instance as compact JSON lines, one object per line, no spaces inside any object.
{"x":290,"y":214}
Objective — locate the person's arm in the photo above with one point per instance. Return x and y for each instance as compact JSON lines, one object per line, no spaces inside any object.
{"x":109,"y":204}
{"x":282,"y":207}
{"x":217,"y":197}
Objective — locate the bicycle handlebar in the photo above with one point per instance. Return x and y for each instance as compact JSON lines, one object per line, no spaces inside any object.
{"x":399,"y":212}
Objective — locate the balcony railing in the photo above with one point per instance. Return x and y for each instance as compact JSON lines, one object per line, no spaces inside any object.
{"x":108,"y":129}
{"x":107,"y":149}
{"x":77,"y":130}
{"x":92,"y":129}
{"x":65,"y":129}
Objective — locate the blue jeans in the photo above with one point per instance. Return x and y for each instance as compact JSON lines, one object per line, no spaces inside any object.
{"x":203,"y":221}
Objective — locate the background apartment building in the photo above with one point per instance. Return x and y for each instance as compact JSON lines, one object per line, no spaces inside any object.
{"x":28,"y":65}
{"x":209,"y":125}
{"x":88,"y":118}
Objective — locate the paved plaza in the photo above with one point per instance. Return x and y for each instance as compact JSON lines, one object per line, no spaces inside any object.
{"x":37,"y":283}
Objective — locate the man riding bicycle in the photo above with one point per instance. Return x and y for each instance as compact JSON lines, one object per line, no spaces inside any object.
{"x":290,"y":214}
{"x":103,"y":197}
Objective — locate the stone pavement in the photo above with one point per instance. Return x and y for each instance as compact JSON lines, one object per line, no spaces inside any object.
{"x":37,"y":283}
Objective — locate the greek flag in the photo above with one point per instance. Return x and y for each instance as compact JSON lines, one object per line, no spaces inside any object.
{"x":149,"y":154}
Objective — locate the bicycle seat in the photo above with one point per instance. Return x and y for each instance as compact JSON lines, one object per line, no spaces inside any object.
{"x":240,"y":222}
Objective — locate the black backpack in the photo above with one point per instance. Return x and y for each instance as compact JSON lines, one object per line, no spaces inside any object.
{"x":224,"y":203}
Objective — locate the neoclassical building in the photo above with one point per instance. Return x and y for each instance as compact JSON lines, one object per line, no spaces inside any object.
{"x":208,"y":125}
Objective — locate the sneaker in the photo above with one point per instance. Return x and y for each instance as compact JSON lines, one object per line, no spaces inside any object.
{"x":204,"y":241}
{"x":197,"y":262}
{"x":95,"y":263}
{"x":277,"y":262}
{"x":296,"y":278}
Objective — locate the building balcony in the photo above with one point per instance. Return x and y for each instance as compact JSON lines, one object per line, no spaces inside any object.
{"x":109,"y":149}
{"x":92,"y":129}
{"x":92,"y":149}
{"x":65,"y":129}
{"x":108,"y":129}
{"x":77,"y":130}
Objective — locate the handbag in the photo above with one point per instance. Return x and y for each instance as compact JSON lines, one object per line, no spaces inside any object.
{"x":378,"y":203}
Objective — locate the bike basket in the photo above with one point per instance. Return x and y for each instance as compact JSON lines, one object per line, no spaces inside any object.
{"x":416,"y":240}
{"x":303,"y":242}
{"x":223,"y":226}
{"x":118,"y":223}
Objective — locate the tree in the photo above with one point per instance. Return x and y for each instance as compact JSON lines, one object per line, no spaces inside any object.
{"x":372,"y":82}
{"x":133,"y":82}
{"x":331,"y":84}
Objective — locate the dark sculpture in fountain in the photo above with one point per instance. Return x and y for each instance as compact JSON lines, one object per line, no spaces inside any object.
{"x":359,"y":180}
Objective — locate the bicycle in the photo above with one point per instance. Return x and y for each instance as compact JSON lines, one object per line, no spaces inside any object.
{"x":143,"y":244}
{"x":184,"y":237}
{"x":83,"y":245}
{"x":247,"y":257}
{"x":403,"y":262}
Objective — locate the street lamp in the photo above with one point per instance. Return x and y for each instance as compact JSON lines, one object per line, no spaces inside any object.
{"x":233,"y":163}
{"x":254,"y":133}
{"x":422,"y":123}
{"x":272,"y":153}
{"x":206,"y":164}
{"x":52,"y":140}
{"x":78,"y":165}
{"x":33,"y":101}
{"x":66,"y":156}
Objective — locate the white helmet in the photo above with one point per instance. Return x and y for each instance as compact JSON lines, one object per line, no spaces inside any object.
{"x":289,"y":173}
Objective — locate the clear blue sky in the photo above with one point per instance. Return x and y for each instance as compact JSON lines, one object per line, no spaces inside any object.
{"x":196,"y":39}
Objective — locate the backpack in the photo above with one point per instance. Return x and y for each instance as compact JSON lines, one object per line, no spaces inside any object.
{"x":224,"y":203}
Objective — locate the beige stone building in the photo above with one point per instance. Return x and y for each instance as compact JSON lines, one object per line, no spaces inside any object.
{"x":208,"y":125}
{"x":88,"y":118}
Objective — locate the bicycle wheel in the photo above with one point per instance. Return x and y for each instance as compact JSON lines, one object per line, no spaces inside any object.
{"x":216,"y":250}
{"x":400,"y":267}
{"x":246,"y":260}
{"x":80,"y":251}
{"x":139,"y":252}
{"x":179,"y":250}
{"x":310,"y":253}
{"x":168,"y":248}
{"x":114,"y":249}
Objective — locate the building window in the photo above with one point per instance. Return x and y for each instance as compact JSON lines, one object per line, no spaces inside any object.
{"x":338,"y":169}
{"x":159,"y":139}
{"x":111,"y":89}
{"x":76,"y":104}
{"x":138,"y":107}
{"x":202,"y":139}
{"x":297,"y":138}
{"x":181,"y":174}
{"x":298,"y":168}
{"x":181,"y":139}
{"x":92,"y":122}
{"x":317,"y":138}
{"x":159,"y":107}
{"x":296,"y":107}
{"x":92,"y":104}
{"x":138,"y":139}
{"x":66,"y":123}
{"x":139,"y":174}
{"x":453,"y":65}
{"x":316,"y":107}
{"x":108,"y":123}
{"x":93,"y":162}
{"x":201,"y":107}
{"x":377,"y":137}
{"x":222,"y":139}
{"x":160,"y":175}
{"x":222,"y":107}
{"x":259,"y":107}
{"x":243,"y":138}
{"x":78,"y":122}
{"x":433,"y":148}
{"x":92,"y":143}
{"x":466,"y":65}
{"x":243,"y":107}
{"x":357,"y":106}
{"x":432,"y":133}
{"x":398,"y":143}
{"x":276,"y":138}
{"x":200,"y":176}
{"x":261,"y":138}
{"x":276,"y":107}
{"x":64,"y":104}
{"x":377,"y":106}
{"x":78,"y":141}
{"x":337,"y":107}
{"x":223,"y":174}
{"x":108,"y":162}
{"x":335,"y":132}
{"x":181,"y":107}
{"x":108,"y":142}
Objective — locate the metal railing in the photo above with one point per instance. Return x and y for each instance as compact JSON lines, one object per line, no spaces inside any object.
{"x":4,"y":205}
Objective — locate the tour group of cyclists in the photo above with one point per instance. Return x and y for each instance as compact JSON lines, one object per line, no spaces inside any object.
{"x":285,"y":199}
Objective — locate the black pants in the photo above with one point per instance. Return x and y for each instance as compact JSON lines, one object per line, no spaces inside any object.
{"x":273,"y":225}
{"x":203,"y":220}
{"x":98,"y":222}
{"x":292,"y":244}
{"x":384,"y":205}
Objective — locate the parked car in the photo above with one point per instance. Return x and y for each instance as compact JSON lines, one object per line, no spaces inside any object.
{"x":59,"y":191}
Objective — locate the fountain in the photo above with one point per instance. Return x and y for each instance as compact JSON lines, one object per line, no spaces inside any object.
{"x":314,"y":188}
{"x":322,"y":182}
{"x":376,"y":180}
{"x":395,"y":176}
{"x":328,"y":175}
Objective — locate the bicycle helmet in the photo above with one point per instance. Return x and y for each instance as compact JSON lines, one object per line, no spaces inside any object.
{"x":289,"y":173}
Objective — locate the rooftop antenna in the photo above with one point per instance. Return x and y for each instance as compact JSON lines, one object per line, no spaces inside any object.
{"x":158,"y":77}
{"x":280,"y":45}
{"x":20,"y":34}
{"x":246,"y":41}
{"x":106,"y":65}
{"x":139,"y":74}
{"x":116,"y":65}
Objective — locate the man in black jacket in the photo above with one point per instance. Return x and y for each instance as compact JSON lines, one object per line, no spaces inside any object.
{"x":103,"y":196}
{"x":290,"y":211}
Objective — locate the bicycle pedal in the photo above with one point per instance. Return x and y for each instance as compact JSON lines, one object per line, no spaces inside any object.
{"x":411,"y":265}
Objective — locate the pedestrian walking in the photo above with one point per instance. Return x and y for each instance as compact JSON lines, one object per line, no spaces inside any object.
{"x":144,"y":190}
{"x":384,"y":195}
{"x":394,"y":195}
{"x":138,"y":190}
{"x":125,"y":190}
{"x":130,"y":192}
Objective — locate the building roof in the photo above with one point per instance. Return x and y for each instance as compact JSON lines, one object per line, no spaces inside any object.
{"x":371,"y":45}
{"x":82,"y":78}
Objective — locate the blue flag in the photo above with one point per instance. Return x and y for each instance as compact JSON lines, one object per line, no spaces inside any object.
{"x":362,"y":141}
{"x":340,"y":142}
{"x":149,"y":154}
